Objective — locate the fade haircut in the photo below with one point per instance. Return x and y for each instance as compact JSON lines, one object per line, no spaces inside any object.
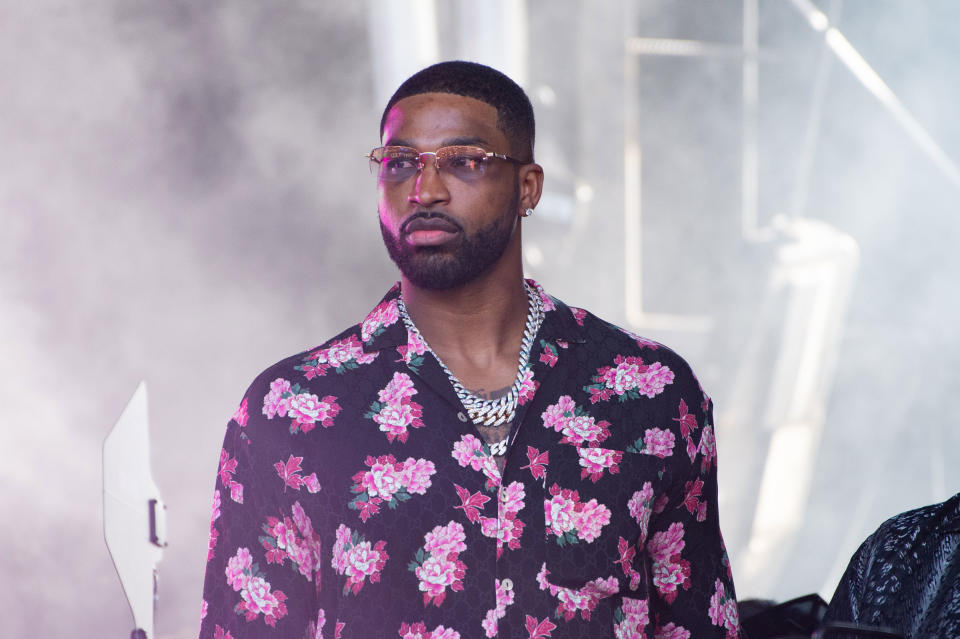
{"x":480,"y":82}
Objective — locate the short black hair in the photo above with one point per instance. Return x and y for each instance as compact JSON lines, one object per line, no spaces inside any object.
{"x":473,"y":80}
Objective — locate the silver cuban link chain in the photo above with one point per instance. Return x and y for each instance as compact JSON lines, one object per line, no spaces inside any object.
{"x":491,"y":412}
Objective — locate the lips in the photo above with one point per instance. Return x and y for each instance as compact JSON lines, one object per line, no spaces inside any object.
{"x":424,"y":230}
{"x":430,"y":224}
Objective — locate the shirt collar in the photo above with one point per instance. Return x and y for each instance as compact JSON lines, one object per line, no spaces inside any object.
{"x":382,"y":328}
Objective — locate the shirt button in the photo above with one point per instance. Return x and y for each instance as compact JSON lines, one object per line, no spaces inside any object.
{"x":507,"y":584}
{"x":503,"y":493}
{"x":461,"y":416}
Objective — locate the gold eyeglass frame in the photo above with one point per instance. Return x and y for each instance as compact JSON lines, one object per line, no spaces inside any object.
{"x":372,"y":156}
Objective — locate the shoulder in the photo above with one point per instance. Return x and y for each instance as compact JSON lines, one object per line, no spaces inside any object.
{"x":339,"y":351}
{"x":616,"y":349}
{"x":902,"y":535}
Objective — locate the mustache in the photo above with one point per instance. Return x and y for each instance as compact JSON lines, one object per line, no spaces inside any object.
{"x":429,"y":215}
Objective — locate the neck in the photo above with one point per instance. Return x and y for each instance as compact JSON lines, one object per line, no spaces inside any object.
{"x":480,"y":320}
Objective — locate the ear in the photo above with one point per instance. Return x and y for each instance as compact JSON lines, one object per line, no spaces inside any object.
{"x":531,"y":186}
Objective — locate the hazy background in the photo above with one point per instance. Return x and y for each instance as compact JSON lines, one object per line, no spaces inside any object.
{"x":184,"y":201}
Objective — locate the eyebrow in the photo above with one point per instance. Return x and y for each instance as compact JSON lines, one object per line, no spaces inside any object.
{"x":460,"y":141}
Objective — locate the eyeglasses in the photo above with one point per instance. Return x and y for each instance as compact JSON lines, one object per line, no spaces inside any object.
{"x":400,"y":163}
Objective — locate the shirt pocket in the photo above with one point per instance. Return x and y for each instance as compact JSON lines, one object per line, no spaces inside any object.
{"x":596,"y":510}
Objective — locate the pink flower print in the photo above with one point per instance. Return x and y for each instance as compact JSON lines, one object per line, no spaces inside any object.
{"x":416,"y":474}
{"x":364,"y":561}
{"x":413,"y":631}
{"x":470,"y":504}
{"x":385,"y":314}
{"x":419,"y":631}
{"x":339,"y":353}
{"x":640,"y":507}
{"x":203,"y":609}
{"x":671,"y":631}
{"x":687,"y":420}
{"x":537,"y":629}
{"x":538,"y":462}
{"x":583,"y":429}
{"x":341,"y":356}
{"x":397,"y":389}
{"x":395,"y":412}
{"x":258,"y":599}
{"x":212,"y":541}
{"x":528,"y":386}
{"x":394,"y":419}
{"x":356,"y":558}
{"x":220,"y":633}
{"x":578,"y":314}
{"x":240,"y":415}
{"x":723,"y":610}
{"x":255,"y":592}
{"x":216,"y":507}
{"x":236,"y":492}
{"x":596,"y":460}
{"x":312,"y":483}
{"x":556,"y":415}
{"x":238,"y":568}
{"x":512,"y":497}
{"x":506,"y":528}
{"x":692,"y":492}
{"x":631,"y":619}
{"x":390,"y":482}
{"x":627,"y":553}
{"x":591,"y":519}
{"x":629,"y":378}
{"x":437,"y":564}
{"x":572,"y":521}
{"x":584,"y":600}
{"x":559,"y":513}
{"x":444,"y":540}
{"x":642,"y":342}
{"x":652,"y":381}
{"x":504,"y":599}
{"x":470,"y":451}
{"x":576,"y":425}
{"x":277,"y":401}
{"x":670,"y":571}
{"x":545,"y":299}
{"x":436,"y":574}
{"x":658,"y":442}
{"x":294,"y":539}
{"x":549,"y":354}
{"x":289,"y":472}
{"x":228,"y":466}
{"x":412,"y":352}
{"x":307,"y":409}
{"x":708,"y":448}
{"x":625,"y":376}
{"x":382,"y":480}
{"x":315,"y":630}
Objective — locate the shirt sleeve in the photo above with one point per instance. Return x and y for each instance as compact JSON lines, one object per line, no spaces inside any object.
{"x":693,"y":593}
{"x":260,"y":578}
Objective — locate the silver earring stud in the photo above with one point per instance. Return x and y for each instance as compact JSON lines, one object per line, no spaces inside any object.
{"x":527,"y":213}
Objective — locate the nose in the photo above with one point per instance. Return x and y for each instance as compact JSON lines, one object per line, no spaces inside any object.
{"x":429,"y":188}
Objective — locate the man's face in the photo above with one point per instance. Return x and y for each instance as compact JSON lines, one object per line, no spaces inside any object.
{"x":443,"y":232}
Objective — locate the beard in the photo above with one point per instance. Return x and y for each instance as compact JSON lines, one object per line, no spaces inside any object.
{"x":440,"y":268}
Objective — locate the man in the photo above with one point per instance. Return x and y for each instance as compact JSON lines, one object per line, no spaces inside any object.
{"x":906,"y":575}
{"x":475,"y":458}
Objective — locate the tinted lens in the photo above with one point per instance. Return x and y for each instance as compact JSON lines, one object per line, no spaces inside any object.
{"x":463,"y":162}
{"x":395,"y":163}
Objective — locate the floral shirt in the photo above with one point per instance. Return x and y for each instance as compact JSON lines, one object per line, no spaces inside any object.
{"x":354,"y":499}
